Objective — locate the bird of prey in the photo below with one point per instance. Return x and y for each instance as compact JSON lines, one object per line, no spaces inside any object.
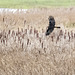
{"x":51,"y":25}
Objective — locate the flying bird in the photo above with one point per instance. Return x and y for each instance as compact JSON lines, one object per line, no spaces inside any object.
{"x":51,"y":25}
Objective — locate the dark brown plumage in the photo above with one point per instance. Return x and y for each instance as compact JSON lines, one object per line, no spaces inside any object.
{"x":51,"y":25}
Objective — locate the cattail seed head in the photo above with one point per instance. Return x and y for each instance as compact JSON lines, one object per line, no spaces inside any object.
{"x":22,"y":45}
{"x":18,"y":30}
{"x":60,"y":33}
{"x":21,"y":29}
{"x":42,"y":44}
{"x":24,"y":22}
{"x":72,"y":34}
{"x":69,"y":38}
{"x":35,"y":31}
{"x":27,"y":41}
{"x":30,"y":31}
{"x":9,"y":31}
{"x":42,"y":30}
{"x":23,"y":36}
{"x":37,"y":35}
{"x":64,"y":36}
{"x":52,"y":38}
{"x":0,"y":35}
{"x":25,"y":31}
{"x":57,"y":38}
{"x":40,"y":40}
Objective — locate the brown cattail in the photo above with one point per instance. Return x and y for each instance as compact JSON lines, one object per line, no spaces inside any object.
{"x":16,"y":34}
{"x":20,"y":41}
{"x":42,"y":44}
{"x":28,"y":27}
{"x":61,"y":33}
{"x":21,"y":29}
{"x":25,"y":31}
{"x":69,"y":36}
{"x":3,"y":19}
{"x":9,"y":31}
{"x":45,"y":50}
{"x":72,"y":34}
{"x":40,"y":40}
{"x":37,"y":35}
{"x":30,"y":31}
{"x":65,"y":32}
{"x":3,"y":41}
{"x":18,"y":38}
{"x":15,"y":39}
{"x":22,"y":45}
{"x":64,"y":36}
{"x":27,"y":41}
{"x":42,"y":30}
{"x":39,"y":52}
{"x":57,"y":39}
{"x":23,"y":36}
{"x":13,"y":33}
{"x":6,"y":42}
{"x":53,"y":34}
{"x":35,"y":31}
{"x":24,"y":22}
{"x":0,"y":35}
{"x":3,"y":31}
{"x":18,"y":30}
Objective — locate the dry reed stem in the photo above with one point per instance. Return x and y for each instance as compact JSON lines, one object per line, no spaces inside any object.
{"x":39,"y":52}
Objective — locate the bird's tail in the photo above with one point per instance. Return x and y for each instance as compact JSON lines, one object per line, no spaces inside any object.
{"x":56,"y":27}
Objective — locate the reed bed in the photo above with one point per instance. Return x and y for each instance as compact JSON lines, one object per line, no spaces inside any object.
{"x":27,"y":51}
{"x":30,"y":52}
{"x":32,"y":38}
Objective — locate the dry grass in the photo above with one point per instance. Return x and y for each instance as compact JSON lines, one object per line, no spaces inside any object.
{"x":27,"y":51}
{"x":22,"y":63}
{"x":37,"y":17}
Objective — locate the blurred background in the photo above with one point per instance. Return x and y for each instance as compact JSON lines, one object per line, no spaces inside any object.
{"x":35,"y":3}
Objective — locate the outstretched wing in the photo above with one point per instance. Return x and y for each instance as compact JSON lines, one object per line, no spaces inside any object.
{"x":49,"y":30}
{"x":51,"y":25}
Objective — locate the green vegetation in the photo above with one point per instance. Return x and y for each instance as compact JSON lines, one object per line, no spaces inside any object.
{"x":35,"y":3}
